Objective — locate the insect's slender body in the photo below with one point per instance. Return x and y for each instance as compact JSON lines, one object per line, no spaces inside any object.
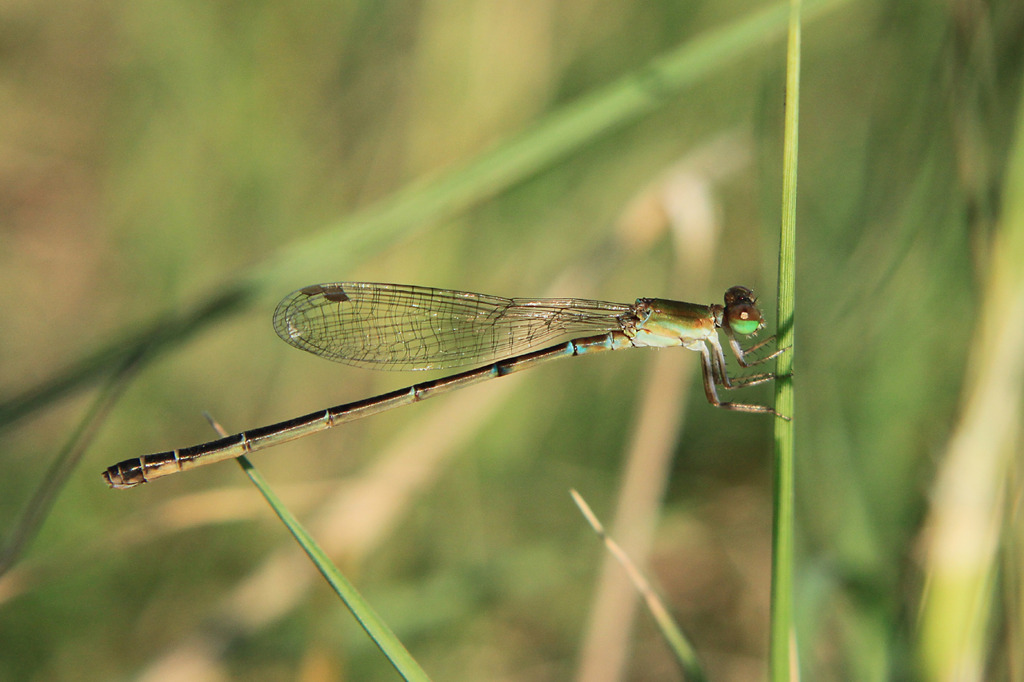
{"x":387,"y":326}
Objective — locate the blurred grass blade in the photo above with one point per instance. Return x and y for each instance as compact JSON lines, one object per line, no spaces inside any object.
{"x":376,"y":628}
{"x":782,"y":654}
{"x":152,"y":341}
{"x":38,"y":508}
{"x":550,"y":139}
{"x":674,"y":637}
{"x":973,"y":512}
{"x":355,"y":238}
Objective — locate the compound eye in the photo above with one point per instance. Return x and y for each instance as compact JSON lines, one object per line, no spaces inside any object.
{"x":739,"y":295}
{"x":744,"y":318}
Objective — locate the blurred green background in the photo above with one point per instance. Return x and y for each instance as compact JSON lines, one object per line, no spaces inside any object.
{"x":155,"y":156}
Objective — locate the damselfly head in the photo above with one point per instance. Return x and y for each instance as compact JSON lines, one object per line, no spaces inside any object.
{"x":741,"y":313}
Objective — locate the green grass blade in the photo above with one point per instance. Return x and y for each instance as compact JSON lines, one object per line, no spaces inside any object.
{"x":782,"y":654}
{"x":372,"y":623}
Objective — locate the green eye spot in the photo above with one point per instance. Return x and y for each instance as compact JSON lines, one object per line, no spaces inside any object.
{"x":745,"y":327}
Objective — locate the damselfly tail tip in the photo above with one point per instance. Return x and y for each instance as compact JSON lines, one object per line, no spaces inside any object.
{"x":110,"y":477}
{"x":116,"y":477}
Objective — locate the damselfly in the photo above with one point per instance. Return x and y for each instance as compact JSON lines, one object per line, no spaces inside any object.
{"x":399,"y":327}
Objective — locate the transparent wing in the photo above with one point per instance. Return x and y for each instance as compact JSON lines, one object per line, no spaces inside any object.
{"x":394,"y":326}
